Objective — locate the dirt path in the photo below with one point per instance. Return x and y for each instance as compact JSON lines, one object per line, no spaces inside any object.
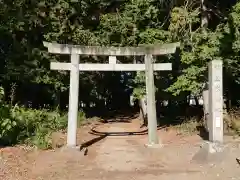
{"x":120,"y":157}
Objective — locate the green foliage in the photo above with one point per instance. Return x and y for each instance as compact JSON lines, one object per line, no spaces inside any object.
{"x":139,"y":90}
{"x":1,"y":93}
{"x":19,"y":124}
{"x":25,"y":125}
{"x":127,"y":23}
{"x":6,"y":123}
{"x":230,"y":43}
{"x":24,"y":25}
{"x":188,"y":127}
{"x":198,"y":47}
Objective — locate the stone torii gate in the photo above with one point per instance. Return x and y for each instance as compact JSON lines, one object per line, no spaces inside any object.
{"x":74,"y":67}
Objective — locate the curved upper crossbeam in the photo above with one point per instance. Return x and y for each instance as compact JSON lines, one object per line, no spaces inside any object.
{"x":111,"y":51}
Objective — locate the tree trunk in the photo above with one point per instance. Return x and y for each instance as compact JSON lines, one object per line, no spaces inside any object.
{"x":204,"y":15}
{"x":143,"y":110}
{"x":205,"y":93}
{"x":206,"y":107}
{"x":142,"y":104}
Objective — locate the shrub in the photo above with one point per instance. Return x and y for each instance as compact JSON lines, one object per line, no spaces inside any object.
{"x":7,"y":124}
{"x":34,"y":127}
{"x":232,"y":122}
{"x":189,"y":126}
{"x":19,"y":124}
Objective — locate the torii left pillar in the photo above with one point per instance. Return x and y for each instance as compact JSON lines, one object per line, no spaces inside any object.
{"x":73,"y":101}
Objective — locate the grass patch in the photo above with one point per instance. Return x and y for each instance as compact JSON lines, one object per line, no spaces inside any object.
{"x":30,"y":126}
{"x":187,"y":127}
{"x":232,"y":122}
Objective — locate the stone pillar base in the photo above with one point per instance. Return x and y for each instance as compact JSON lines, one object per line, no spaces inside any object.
{"x":210,"y":152}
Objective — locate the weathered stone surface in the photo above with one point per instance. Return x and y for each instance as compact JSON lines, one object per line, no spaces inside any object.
{"x":210,"y":153}
{"x":215,"y":101}
{"x":110,"y":67}
{"x":111,"y":51}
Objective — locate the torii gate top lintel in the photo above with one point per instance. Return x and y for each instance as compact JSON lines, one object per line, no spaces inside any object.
{"x":56,"y":48}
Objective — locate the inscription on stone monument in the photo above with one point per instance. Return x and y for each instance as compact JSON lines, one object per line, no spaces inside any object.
{"x":215,"y":101}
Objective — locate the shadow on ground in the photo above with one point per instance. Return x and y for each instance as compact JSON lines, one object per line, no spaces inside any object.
{"x":132,"y":133}
{"x":92,"y":141}
{"x":203,"y":133}
{"x":166,"y":118}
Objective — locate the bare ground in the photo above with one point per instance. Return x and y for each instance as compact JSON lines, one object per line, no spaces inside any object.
{"x":121,"y":157}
